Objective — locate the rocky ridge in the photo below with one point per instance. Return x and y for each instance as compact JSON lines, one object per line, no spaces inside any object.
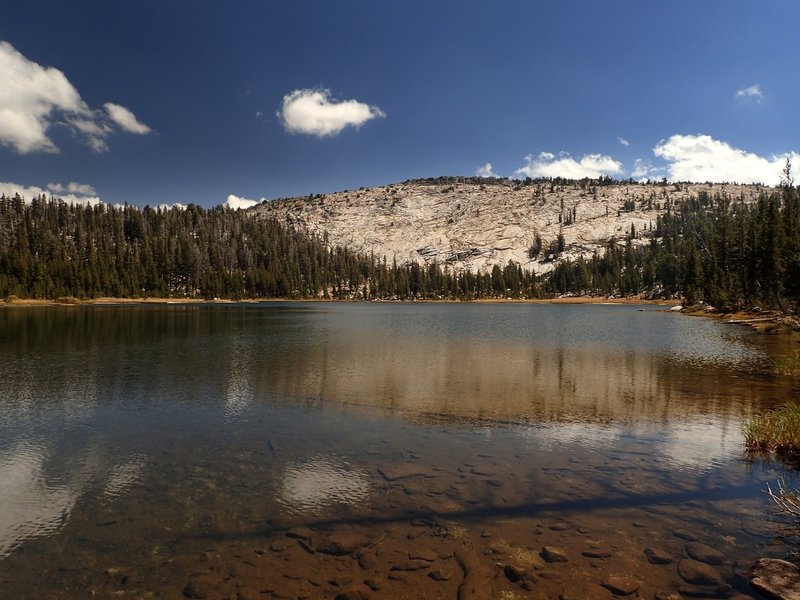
{"x":475,"y":223}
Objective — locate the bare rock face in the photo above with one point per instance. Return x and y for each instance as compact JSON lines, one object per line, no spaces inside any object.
{"x":474,"y":223}
{"x":776,"y":579}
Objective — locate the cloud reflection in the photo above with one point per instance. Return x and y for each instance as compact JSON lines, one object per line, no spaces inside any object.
{"x":30,"y":505}
{"x":311,"y":485}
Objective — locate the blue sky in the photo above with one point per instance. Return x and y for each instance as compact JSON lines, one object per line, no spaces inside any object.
{"x":164,"y":102}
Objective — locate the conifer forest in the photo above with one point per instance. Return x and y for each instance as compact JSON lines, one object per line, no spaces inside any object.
{"x":713,"y":248}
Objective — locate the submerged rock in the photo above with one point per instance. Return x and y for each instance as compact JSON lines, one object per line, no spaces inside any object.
{"x":657,"y":556}
{"x":597,"y":553}
{"x":340,"y":543}
{"x":776,"y":579}
{"x":552,"y":554}
{"x":697,"y":573}
{"x":621,"y":585}
{"x":704,"y":553}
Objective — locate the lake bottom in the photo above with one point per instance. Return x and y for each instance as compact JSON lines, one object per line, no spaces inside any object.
{"x":312,"y":501}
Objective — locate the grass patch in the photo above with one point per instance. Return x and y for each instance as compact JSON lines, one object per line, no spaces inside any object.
{"x":776,"y":431}
{"x":788,"y":365}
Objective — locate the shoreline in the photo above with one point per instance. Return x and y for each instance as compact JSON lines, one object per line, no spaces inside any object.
{"x":763,"y":321}
{"x":115,"y":301}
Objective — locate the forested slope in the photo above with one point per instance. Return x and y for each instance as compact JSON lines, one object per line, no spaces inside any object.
{"x":725,"y":250}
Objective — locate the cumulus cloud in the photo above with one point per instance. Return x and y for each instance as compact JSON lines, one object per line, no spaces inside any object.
{"x":235,"y":202}
{"x":314,"y":112}
{"x":78,"y":193}
{"x":547,"y":164}
{"x":645,"y":170}
{"x":125,"y":119}
{"x":33,"y":97}
{"x":752,"y":93}
{"x":623,"y":141}
{"x":486,"y":171}
{"x":702,"y":158}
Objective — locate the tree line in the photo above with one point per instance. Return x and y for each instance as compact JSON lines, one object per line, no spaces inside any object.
{"x":715,"y":248}
{"x":50,"y":249}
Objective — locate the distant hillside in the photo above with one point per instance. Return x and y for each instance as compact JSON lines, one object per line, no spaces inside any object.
{"x":472,"y":223}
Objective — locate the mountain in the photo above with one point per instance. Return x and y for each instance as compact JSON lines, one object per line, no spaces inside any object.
{"x":472,"y":223}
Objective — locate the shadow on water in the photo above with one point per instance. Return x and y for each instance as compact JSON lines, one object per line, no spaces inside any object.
{"x":526,"y":510}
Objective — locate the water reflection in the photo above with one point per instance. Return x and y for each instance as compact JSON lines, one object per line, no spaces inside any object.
{"x":185,"y":422}
{"x":320,"y":482}
{"x":31,"y":506}
{"x":124,"y":475}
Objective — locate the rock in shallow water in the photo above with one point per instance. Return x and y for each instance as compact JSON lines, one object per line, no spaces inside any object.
{"x":704,"y":553}
{"x":776,"y":579}
{"x":621,"y":585}
{"x":552,"y":554}
{"x":657,"y":556}
{"x":697,"y":573}
{"x":340,"y":543}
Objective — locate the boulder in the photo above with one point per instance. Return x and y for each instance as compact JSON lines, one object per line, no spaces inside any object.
{"x":776,"y":579}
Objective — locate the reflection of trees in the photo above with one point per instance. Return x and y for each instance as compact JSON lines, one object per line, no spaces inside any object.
{"x":236,"y":353}
{"x":503,"y":381}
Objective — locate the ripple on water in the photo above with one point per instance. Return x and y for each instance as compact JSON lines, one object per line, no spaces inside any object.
{"x":312,"y":485}
{"x":123,"y":476}
{"x":31,"y":506}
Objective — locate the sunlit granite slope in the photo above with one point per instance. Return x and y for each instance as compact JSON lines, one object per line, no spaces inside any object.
{"x":474,"y":223}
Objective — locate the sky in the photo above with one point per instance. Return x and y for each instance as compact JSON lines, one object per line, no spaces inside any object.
{"x":189,"y":101}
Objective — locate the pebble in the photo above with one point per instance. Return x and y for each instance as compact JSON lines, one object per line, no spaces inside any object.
{"x":340,"y":543}
{"x":366,"y":561}
{"x":200,"y":587}
{"x":513,"y":573}
{"x":684,"y":534}
{"x":597,"y":553}
{"x":553,"y":554}
{"x":621,"y":585}
{"x":440,"y":575}
{"x":657,"y":556}
{"x":303,"y":533}
{"x":280,"y":545}
{"x":410,"y":565}
{"x":403,"y":471}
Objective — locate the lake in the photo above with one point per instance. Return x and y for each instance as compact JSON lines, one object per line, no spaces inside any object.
{"x":309,"y":450}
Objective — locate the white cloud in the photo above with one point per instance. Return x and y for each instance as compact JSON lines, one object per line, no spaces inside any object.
{"x":33,"y":97}
{"x":623,"y":141}
{"x":547,"y":164}
{"x":174,"y":205}
{"x":235,"y":202}
{"x":486,"y":171}
{"x":702,"y":158}
{"x":753,"y":93}
{"x":125,"y":119}
{"x":313,"y":112}
{"x":644,"y":170}
{"x":79,"y":193}
{"x":80,"y":188}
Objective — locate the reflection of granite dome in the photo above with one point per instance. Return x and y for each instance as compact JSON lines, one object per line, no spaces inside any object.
{"x":321,"y":481}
